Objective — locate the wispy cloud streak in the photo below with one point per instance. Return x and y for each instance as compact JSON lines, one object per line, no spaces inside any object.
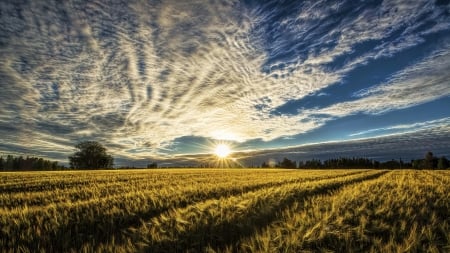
{"x":414,"y":127}
{"x":138,"y":75}
{"x":422,"y":82}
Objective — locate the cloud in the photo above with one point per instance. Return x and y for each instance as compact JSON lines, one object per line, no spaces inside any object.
{"x":410,"y":145}
{"x":414,"y":127}
{"x":405,"y":146}
{"x":420,"y":83}
{"x":138,"y":75}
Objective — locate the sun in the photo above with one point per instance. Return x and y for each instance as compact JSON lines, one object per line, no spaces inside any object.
{"x":222,"y":150}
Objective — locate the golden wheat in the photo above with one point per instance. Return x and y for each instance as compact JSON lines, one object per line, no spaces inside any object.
{"x":218,"y":210}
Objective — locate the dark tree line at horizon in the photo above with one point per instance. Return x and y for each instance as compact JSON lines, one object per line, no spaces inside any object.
{"x":92,"y":155}
{"x":429,"y":162}
{"x":19,"y":163}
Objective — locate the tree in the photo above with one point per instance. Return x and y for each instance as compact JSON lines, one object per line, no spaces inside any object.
{"x":286,"y":163}
{"x":8,"y":165}
{"x":152,"y":165}
{"x":315,"y":164}
{"x":443,"y":163}
{"x":430,"y":161}
{"x":90,"y":155}
{"x":418,"y":163}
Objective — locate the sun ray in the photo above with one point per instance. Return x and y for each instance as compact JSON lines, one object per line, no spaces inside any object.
{"x":222,"y":150}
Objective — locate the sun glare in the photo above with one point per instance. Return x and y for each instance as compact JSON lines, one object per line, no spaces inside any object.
{"x":222,"y":150}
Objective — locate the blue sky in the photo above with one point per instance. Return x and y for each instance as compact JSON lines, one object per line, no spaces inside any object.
{"x":164,"y":79}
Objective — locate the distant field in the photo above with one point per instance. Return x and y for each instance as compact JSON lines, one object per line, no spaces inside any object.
{"x":225,"y":210}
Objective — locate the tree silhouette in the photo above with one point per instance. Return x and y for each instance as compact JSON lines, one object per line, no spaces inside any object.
{"x":90,"y":155}
{"x":19,"y":163}
{"x":286,"y":163}
{"x":152,"y":165}
{"x":430,"y":161}
{"x":443,"y":163}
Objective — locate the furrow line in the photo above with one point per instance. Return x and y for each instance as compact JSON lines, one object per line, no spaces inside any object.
{"x":78,"y":223}
{"x":222,"y":222}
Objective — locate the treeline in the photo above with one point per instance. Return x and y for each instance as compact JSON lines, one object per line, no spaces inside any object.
{"x":337,"y":163}
{"x":429,"y":162}
{"x":19,"y":163}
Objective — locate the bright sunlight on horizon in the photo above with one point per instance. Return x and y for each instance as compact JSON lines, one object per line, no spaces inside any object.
{"x":222,"y":150}
{"x":225,"y":126}
{"x":161,"y":80}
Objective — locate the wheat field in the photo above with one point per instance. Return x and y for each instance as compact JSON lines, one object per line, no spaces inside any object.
{"x":225,"y":210}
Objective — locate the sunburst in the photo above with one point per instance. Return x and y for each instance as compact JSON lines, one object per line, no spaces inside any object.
{"x":222,"y":151}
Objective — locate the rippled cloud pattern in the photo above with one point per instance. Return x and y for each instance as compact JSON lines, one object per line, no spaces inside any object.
{"x":144,"y":76}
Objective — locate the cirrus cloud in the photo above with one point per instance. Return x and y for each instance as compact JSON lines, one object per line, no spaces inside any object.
{"x":139,"y":75}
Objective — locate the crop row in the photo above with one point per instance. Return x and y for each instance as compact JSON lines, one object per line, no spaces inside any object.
{"x":96,"y":220}
{"x":98,"y":188}
{"x":222,"y":221}
{"x":403,"y":211}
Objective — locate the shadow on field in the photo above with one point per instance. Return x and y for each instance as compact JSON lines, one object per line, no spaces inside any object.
{"x":229,"y":233}
{"x":85,"y":226}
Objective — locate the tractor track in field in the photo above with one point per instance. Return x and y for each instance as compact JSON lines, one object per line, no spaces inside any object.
{"x":231,"y":232}
{"x":103,"y":227}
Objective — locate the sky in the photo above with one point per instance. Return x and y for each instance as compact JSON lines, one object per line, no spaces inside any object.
{"x":166,"y":80}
